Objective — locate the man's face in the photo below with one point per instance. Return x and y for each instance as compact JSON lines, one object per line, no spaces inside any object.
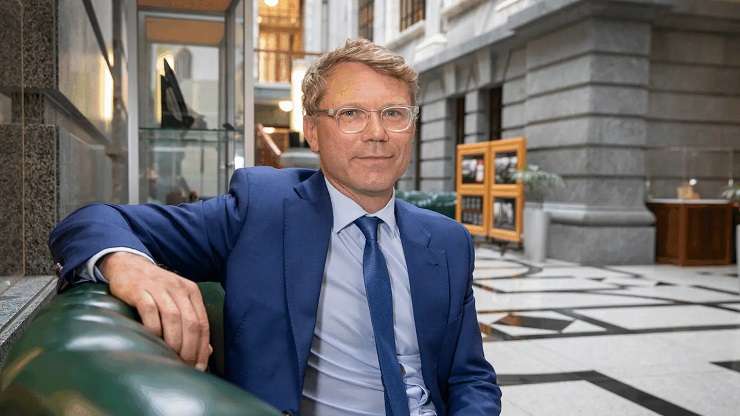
{"x":368,"y":163}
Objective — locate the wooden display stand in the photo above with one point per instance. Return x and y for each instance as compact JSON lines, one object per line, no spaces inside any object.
{"x":489,"y":202}
{"x":473,"y":182}
{"x":692,"y":232}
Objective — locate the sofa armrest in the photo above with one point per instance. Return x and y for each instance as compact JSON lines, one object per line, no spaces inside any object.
{"x":86,"y":353}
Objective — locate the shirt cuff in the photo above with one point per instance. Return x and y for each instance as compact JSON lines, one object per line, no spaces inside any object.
{"x":91,"y":270}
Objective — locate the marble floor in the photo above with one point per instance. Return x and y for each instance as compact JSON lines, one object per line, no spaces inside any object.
{"x":567,"y":339}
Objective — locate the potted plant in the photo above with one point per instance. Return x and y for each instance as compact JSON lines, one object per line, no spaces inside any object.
{"x":536,"y":220}
{"x":732,"y":194}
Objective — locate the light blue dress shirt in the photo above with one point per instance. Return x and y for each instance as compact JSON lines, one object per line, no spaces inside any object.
{"x":343,"y":375}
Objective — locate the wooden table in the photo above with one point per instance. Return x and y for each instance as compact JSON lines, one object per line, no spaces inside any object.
{"x":692,"y":232}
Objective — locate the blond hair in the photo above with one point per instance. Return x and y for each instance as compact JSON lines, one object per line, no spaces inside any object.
{"x":360,"y":51}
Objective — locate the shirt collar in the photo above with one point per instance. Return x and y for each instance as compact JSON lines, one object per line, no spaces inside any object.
{"x":346,"y":211}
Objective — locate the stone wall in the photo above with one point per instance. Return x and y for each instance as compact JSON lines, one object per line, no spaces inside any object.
{"x":61,"y":154}
{"x":11,"y":141}
{"x":595,"y":87}
{"x":436,"y":139}
{"x":694,"y":112}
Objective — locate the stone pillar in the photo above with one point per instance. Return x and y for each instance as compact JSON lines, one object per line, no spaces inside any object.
{"x":437,"y":156}
{"x":31,"y":137}
{"x":434,"y":40}
{"x":586,"y":101}
{"x":11,"y":140}
{"x":379,"y":22}
{"x":512,"y":70}
{"x":62,"y":112}
{"x":476,"y":116}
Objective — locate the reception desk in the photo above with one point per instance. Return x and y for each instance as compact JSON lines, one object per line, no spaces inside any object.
{"x":692,"y":232}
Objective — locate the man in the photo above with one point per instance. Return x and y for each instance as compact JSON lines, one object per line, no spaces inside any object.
{"x":340,"y":300}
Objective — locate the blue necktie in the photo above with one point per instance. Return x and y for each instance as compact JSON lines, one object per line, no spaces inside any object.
{"x":380,"y":300}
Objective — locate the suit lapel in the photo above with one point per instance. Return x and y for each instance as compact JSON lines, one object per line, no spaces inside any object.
{"x":308,"y":222}
{"x":430,"y":286}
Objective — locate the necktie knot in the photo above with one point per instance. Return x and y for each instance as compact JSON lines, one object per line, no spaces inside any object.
{"x":369,"y":226}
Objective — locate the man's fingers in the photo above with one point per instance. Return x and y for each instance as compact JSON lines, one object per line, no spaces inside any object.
{"x":171,"y":320}
{"x":190,"y":326}
{"x":204,"y":347}
{"x":149,"y":313}
{"x":169,"y":306}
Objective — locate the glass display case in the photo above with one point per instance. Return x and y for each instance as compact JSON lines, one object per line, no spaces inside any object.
{"x":690,"y":173}
{"x":186,"y":165}
{"x":693,"y":223}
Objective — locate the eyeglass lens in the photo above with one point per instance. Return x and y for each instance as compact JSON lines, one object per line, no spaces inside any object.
{"x":353,"y":120}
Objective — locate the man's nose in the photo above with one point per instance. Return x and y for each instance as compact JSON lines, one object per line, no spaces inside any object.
{"x":374,"y":129}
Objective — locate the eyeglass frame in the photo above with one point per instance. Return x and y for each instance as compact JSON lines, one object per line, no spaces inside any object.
{"x":334,"y":112}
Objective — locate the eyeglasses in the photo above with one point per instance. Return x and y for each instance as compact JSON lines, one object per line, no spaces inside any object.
{"x":395,"y":118}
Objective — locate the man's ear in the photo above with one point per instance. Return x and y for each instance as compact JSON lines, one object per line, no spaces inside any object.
{"x":310,"y":132}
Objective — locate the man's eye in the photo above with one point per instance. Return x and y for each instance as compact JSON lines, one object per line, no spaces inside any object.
{"x":393,"y":113}
{"x":349,"y":114}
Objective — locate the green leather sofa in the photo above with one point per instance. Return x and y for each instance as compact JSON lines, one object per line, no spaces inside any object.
{"x":441,"y":202}
{"x":87,"y":354}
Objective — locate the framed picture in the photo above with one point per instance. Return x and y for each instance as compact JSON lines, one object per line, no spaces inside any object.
{"x":506,"y":216}
{"x":472,"y":167}
{"x":505,"y":164}
{"x":508,"y":156}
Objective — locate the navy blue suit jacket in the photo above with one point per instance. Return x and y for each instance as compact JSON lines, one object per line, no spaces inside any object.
{"x":266,"y":241}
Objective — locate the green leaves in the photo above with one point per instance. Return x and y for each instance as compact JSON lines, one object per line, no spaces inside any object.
{"x":537,"y":181}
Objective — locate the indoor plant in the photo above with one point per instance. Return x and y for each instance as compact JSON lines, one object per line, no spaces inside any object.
{"x":536,"y":220}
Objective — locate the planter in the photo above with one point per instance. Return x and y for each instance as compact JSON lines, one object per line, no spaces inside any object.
{"x":536,"y":224}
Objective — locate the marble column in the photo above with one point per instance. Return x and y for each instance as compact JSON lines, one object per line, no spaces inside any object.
{"x":584,"y":116}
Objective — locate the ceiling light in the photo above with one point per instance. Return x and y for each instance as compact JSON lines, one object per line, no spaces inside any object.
{"x":271,"y":3}
{"x":286,"y":105}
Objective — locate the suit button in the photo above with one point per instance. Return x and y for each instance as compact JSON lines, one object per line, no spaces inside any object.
{"x":287,"y":413}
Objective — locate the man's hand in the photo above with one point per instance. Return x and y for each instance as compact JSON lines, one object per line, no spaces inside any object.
{"x":169,"y":305}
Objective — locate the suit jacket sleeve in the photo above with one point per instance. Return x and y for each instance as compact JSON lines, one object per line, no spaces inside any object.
{"x":472,"y":382}
{"x":192,"y":240}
